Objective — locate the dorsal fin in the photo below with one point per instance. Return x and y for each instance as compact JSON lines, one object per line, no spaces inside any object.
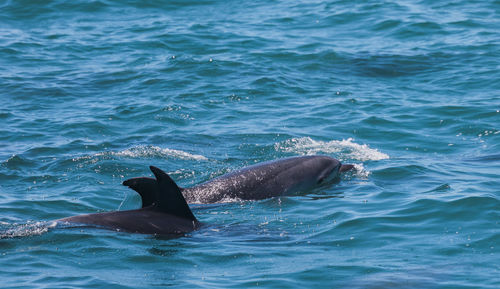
{"x":170,"y":198}
{"x":146,"y":187}
{"x":162,"y":193}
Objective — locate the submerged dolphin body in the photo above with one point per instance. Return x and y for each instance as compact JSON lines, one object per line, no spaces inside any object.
{"x":264,"y":180}
{"x":164,"y":212}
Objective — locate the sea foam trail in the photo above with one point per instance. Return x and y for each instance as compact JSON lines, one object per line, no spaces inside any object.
{"x":347,"y":149}
{"x":30,"y":228}
{"x":154,"y":151}
{"x":148,"y":151}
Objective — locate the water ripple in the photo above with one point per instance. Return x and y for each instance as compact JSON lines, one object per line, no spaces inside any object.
{"x":96,"y":91}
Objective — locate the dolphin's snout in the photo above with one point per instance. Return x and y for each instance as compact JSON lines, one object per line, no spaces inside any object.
{"x":345,"y":168}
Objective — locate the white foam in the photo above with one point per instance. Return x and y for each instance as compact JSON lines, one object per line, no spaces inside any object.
{"x":229,"y":200}
{"x":147,"y":152}
{"x":154,"y":151}
{"x":30,"y":228}
{"x":202,"y":201}
{"x":361,"y":172}
{"x":346,"y":149}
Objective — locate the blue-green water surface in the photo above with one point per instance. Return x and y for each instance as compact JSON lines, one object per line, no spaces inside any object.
{"x":93,"y":92}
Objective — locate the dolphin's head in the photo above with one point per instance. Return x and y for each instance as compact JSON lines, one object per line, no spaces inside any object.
{"x":330,"y":169}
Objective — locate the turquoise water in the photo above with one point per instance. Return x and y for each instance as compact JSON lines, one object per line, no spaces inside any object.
{"x":96,"y":91}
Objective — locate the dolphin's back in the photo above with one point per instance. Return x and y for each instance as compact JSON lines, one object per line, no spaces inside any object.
{"x":144,"y":221}
{"x":164,"y":210}
{"x":263,"y":180}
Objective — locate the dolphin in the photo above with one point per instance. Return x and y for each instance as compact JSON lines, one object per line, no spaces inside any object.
{"x":164,"y":212}
{"x":263,"y":180}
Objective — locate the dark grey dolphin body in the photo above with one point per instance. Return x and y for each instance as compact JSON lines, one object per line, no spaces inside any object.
{"x":164,"y":212}
{"x":264,"y":180}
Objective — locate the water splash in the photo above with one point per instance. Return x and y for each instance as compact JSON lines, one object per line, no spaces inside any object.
{"x":31,"y":228}
{"x":361,"y":172}
{"x":347,"y":149}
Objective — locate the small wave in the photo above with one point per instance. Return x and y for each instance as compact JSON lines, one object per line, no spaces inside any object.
{"x":147,"y":152}
{"x":346,"y":148}
{"x":24,"y":230}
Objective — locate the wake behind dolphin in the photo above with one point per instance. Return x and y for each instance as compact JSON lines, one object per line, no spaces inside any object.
{"x":165,"y":210}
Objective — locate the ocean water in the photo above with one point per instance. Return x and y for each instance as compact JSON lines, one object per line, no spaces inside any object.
{"x":93,"y":92}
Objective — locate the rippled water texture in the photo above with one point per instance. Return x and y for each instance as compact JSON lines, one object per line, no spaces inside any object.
{"x":96,"y":91}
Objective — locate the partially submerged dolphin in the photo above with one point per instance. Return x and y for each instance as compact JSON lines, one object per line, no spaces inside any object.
{"x":264,"y":180}
{"x":165,"y":210}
